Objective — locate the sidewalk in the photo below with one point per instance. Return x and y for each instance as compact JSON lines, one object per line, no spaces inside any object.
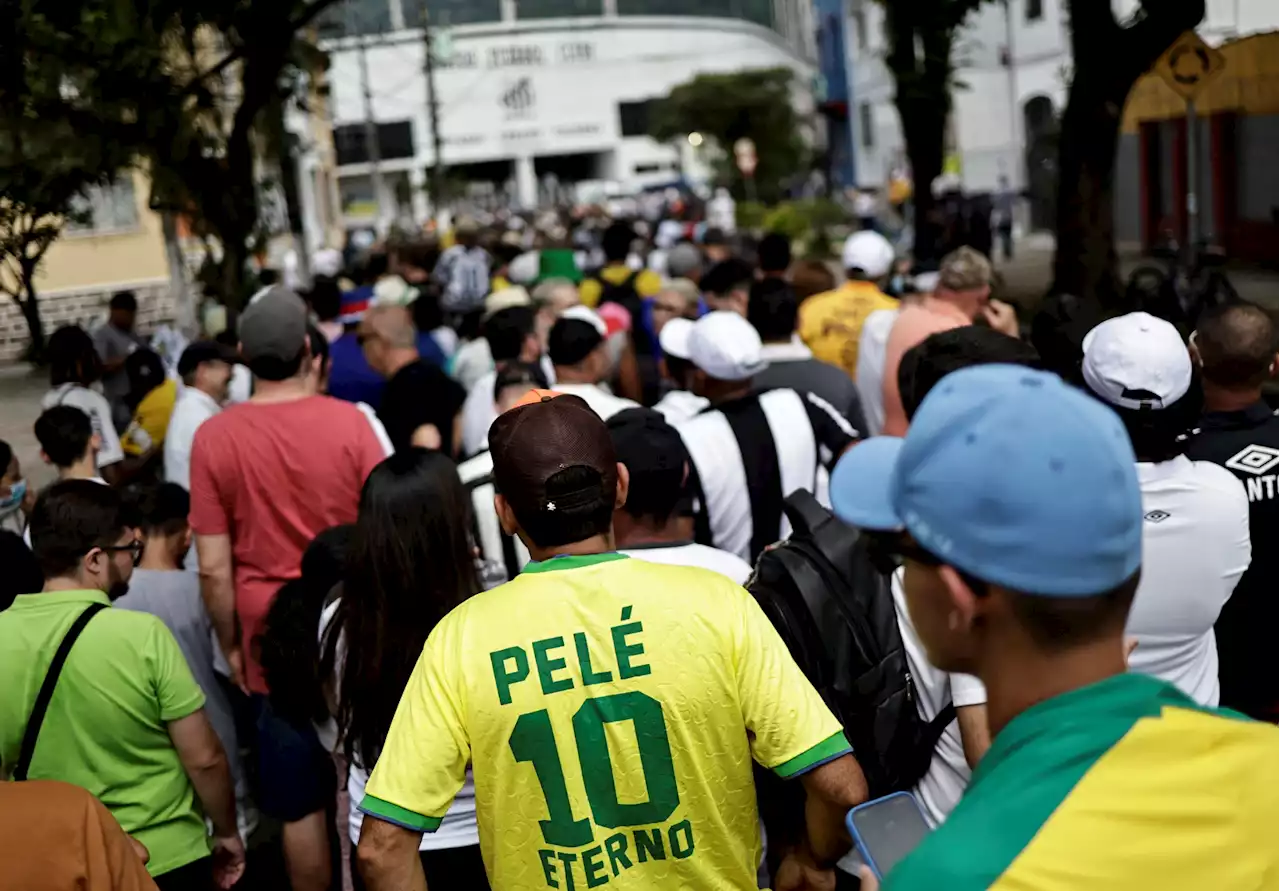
{"x":21,"y":388}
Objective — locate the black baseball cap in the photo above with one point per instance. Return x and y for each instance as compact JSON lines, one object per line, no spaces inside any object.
{"x":202,"y":351}
{"x":656,"y":459}
{"x":552,"y":459}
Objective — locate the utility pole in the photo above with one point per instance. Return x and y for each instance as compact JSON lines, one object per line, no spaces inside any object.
{"x":436,"y":174}
{"x":370,"y":126}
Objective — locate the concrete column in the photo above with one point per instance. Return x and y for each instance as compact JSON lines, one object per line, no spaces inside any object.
{"x":526,"y":182}
{"x":418,"y":190}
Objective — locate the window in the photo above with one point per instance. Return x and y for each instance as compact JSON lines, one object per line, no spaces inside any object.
{"x":353,"y":17}
{"x":550,"y":9}
{"x":865,"y":127}
{"x":395,"y":140}
{"x":452,"y":12}
{"x":357,"y":197}
{"x":860,"y":27}
{"x":633,"y":117}
{"x":1035,"y":10}
{"x":106,"y":208}
{"x":758,"y":11}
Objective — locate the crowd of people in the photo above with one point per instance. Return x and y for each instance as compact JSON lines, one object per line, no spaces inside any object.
{"x":386,"y":535}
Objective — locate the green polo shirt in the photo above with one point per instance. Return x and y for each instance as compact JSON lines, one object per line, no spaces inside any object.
{"x":105,"y":730}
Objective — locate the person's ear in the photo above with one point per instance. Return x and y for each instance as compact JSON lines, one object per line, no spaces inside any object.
{"x":45,"y":457}
{"x":965,"y":607}
{"x":1275,"y":365}
{"x":624,"y":486}
{"x":506,"y":516}
{"x":186,"y":538}
{"x":95,"y":561}
{"x":1193,"y":349}
{"x":95,"y":442}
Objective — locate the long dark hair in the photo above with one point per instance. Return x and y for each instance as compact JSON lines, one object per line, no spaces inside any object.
{"x":411,"y":562}
{"x":287,"y":648}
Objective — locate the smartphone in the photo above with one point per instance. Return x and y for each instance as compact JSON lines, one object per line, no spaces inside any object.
{"x":887,"y":830}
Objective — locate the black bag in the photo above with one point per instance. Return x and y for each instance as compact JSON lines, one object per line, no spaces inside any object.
{"x":835,"y":612}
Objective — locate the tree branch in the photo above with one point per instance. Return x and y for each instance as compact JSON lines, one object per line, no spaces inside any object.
{"x":307,"y":16}
{"x":1142,"y":42}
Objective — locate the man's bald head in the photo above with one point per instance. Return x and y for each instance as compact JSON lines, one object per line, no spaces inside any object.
{"x":1236,"y":344}
{"x":393,"y":325}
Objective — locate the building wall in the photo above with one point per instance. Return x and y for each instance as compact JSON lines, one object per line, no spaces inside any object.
{"x":519,"y":90}
{"x":88,"y":259}
{"x":83,"y":269}
{"x":987,"y":120}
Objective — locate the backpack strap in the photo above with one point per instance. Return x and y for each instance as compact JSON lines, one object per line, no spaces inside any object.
{"x":36,"y":720}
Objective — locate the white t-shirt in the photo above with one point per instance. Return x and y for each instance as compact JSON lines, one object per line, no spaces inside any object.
{"x":478,"y":414}
{"x":241,"y":386}
{"x":95,"y":405}
{"x":680,"y":405}
{"x":606,"y":405}
{"x":948,"y":775}
{"x":457,"y":829}
{"x":870,"y":371}
{"x":939,"y":790}
{"x":1195,"y":547}
{"x":688,"y":553}
{"x":192,"y":409}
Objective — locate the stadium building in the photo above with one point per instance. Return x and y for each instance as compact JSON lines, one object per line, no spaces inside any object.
{"x":532,"y":95}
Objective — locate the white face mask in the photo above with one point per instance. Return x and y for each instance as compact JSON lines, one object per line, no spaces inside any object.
{"x":12,"y":501}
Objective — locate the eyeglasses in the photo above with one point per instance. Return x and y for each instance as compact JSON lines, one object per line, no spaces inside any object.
{"x":887,"y":551}
{"x":134,"y":548}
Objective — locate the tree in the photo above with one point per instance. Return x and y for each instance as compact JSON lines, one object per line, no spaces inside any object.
{"x":26,"y":232}
{"x":921,"y":37}
{"x":724,"y":108}
{"x":1109,"y":57}
{"x":191,"y":88}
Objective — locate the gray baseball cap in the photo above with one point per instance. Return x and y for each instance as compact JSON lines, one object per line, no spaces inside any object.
{"x":273,"y":326}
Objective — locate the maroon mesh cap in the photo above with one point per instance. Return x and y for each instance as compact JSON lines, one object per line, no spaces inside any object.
{"x":543,"y":436}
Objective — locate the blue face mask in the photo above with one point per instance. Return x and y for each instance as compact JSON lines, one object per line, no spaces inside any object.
{"x":17,"y":492}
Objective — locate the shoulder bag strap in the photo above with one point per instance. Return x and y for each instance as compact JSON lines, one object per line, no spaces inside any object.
{"x":46,"y":690}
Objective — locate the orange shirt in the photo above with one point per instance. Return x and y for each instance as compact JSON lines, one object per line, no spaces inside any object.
{"x":830,"y":323}
{"x":915,"y":323}
{"x":55,"y":836}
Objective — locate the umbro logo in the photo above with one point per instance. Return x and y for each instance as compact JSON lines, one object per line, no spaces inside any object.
{"x":1256,"y":459}
{"x":1156,"y":516}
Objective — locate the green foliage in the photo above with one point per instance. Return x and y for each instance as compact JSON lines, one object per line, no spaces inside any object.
{"x":724,"y":108}
{"x":808,"y":222}
{"x":191,"y":89}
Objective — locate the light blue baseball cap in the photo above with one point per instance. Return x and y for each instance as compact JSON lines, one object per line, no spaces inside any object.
{"x":1010,"y":475}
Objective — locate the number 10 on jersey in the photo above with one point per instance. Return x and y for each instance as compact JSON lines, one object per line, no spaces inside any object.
{"x":534,"y":741}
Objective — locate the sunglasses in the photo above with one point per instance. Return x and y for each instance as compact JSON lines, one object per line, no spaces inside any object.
{"x":888,"y":551}
{"x":134,"y":548}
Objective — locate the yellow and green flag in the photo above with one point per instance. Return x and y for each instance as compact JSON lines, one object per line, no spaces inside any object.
{"x":1122,"y":785}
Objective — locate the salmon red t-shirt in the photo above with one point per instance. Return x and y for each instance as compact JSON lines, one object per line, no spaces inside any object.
{"x":273,"y":476}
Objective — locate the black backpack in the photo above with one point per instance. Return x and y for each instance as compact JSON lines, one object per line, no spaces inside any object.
{"x":835,"y":612}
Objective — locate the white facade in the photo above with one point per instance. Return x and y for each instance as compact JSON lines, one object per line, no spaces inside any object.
{"x":988,"y":118}
{"x":514,"y":92}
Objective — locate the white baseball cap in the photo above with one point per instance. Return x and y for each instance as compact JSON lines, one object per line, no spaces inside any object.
{"x":506,"y":298}
{"x":726,"y":347}
{"x":1137,"y":361}
{"x":868,"y":251}
{"x":674,"y":337}
{"x":586,"y":314}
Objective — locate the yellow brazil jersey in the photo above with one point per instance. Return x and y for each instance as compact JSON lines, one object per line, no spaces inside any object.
{"x":151,"y":419}
{"x":610,"y":710}
{"x":647,"y":283}
{"x":830,"y":323}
